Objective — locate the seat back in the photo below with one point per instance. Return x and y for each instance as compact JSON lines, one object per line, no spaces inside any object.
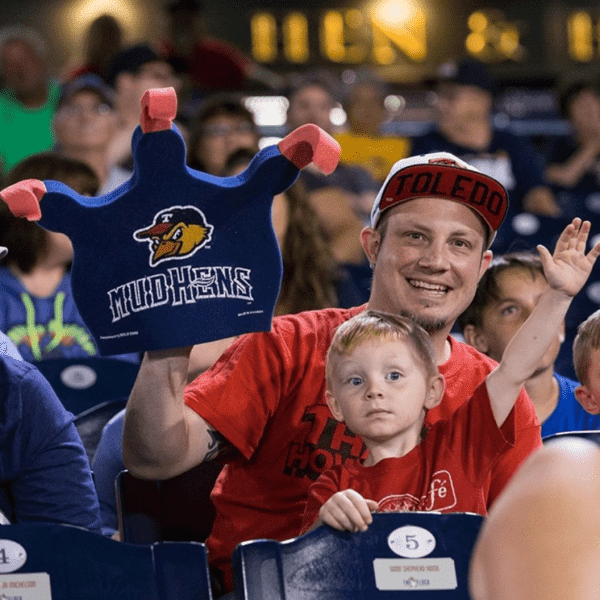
{"x":421,"y":552}
{"x":592,"y":435}
{"x":176,"y":509}
{"x":90,"y":423}
{"x":66,"y":562}
{"x":84,"y":383}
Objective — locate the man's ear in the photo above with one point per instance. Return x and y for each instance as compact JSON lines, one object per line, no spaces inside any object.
{"x":437,"y":385}
{"x":334,"y":407}
{"x":476,"y":338}
{"x":587,"y":400}
{"x":371,"y":242}
{"x":485,"y":262}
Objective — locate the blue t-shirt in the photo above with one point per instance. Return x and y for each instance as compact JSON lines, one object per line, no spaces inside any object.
{"x":568,"y":415}
{"x":510,"y":159}
{"x":107,"y":464}
{"x":44,"y":471}
{"x":43,"y":328}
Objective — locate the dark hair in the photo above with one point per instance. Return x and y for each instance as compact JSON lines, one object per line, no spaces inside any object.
{"x":488,"y":290}
{"x":131,"y":60}
{"x":216,"y":106}
{"x":309,"y":269}
{"x":25,"y":239}
{"x":570,"y":93}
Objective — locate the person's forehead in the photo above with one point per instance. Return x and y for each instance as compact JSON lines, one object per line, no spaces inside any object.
{"x":16,"y":48}
{"x":86,"y":96}
{"x":312,"y":92}
{"x":155,"y":66}
{"x":436,"y":212}
{"x":514,"y":282}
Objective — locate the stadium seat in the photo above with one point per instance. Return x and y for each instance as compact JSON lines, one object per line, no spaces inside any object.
{"x":591,"y":435}
{"x":176,"y":509}
{"x":64,"y":562}
{"x":83,"y":383}
{"x":91,"y":422}
{"x":424,"y":553}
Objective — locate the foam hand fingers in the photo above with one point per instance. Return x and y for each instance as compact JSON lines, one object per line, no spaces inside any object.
{"x":309,"y":143}
{"x":23,"y":198}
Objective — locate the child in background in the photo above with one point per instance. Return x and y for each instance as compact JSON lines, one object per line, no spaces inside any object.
{"x":382,"y":378}
{"x":506,"y":295}
{"x":586,"y":360}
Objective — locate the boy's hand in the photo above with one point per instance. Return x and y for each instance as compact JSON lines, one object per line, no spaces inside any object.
{"x":569,"y":267}
{"x":348,"y":510}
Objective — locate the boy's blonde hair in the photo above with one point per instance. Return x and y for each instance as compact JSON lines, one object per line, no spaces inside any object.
{"x":372,"y":324}
{"x":586,"y":340}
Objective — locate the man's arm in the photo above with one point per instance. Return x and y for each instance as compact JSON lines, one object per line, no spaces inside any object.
{"x":162,"y":437}
{"x":566,"y":271}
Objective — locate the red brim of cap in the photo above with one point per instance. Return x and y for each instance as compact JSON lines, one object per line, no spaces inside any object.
{"x":481,"y":193}
{"x":158,"y":229}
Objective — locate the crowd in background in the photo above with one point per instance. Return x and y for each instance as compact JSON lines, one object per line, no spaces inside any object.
{"x":75,"y":126}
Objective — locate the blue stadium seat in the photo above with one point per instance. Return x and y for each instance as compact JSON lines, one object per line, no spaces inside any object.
{"x":176,"y":509}
{"x":424,"y":553}
{"x":593,"y":436}
{"x":83,"y":383}
{"x":91,"y":422}
{"x":71,"y":563}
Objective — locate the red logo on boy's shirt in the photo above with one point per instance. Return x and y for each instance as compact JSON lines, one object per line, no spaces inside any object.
{"x":440,"y":496}
{"x":326,"y":443}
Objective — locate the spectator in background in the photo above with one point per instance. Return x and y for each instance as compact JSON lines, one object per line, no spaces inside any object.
{"x":208,"y":64}
{"x":37,"y":309}
{"x":102,"y":39}
{"x":28,"y":98}
{"x":363,"y":142}
{"x":573,"y":162}
{"x":465,"y":94}
{"x":343,"y":199}
{"x":506,"y":295}
{"x":84,"y":127}
{"x":44,"y":472}
{"x":221,"y":126}
{"x":130,"y":73}
{"x":586,"y":358}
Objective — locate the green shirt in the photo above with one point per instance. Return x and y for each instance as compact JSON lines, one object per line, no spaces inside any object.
{"x":25,"y":131}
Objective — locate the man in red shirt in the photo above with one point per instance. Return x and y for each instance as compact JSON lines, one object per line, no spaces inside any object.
{"x":262,"y":407}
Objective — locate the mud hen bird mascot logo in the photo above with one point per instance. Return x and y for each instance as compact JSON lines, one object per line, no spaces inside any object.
{"x":177,"y":232}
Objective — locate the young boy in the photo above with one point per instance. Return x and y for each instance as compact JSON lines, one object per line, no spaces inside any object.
{"x":382,"y":379}
{"x":586,"y":360}
{"x":506,"y":295}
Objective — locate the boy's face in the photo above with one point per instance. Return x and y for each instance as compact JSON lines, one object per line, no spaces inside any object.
{"x":519,"y":293}
{"x":588,"y":395}
{"x":381,"y":390}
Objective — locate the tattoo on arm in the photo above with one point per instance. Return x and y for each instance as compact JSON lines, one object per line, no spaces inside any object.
{"x":218,"y":445}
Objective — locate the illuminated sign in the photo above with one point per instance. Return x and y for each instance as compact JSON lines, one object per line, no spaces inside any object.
{"x":390,"y":32}
{"x":379,"y":35}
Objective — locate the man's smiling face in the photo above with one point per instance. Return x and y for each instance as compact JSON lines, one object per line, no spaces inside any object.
{"x":429,"y":262}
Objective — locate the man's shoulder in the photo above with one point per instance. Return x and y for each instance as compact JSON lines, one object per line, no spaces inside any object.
{"x":463,"y":353}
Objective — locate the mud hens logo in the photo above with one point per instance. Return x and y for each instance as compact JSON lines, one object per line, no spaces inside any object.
{"x":177,"y":233}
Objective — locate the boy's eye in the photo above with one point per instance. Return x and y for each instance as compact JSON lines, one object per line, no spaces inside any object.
{"x":394,"y":375}
{"x":508,"y":310}
{"x":355,"y":380}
